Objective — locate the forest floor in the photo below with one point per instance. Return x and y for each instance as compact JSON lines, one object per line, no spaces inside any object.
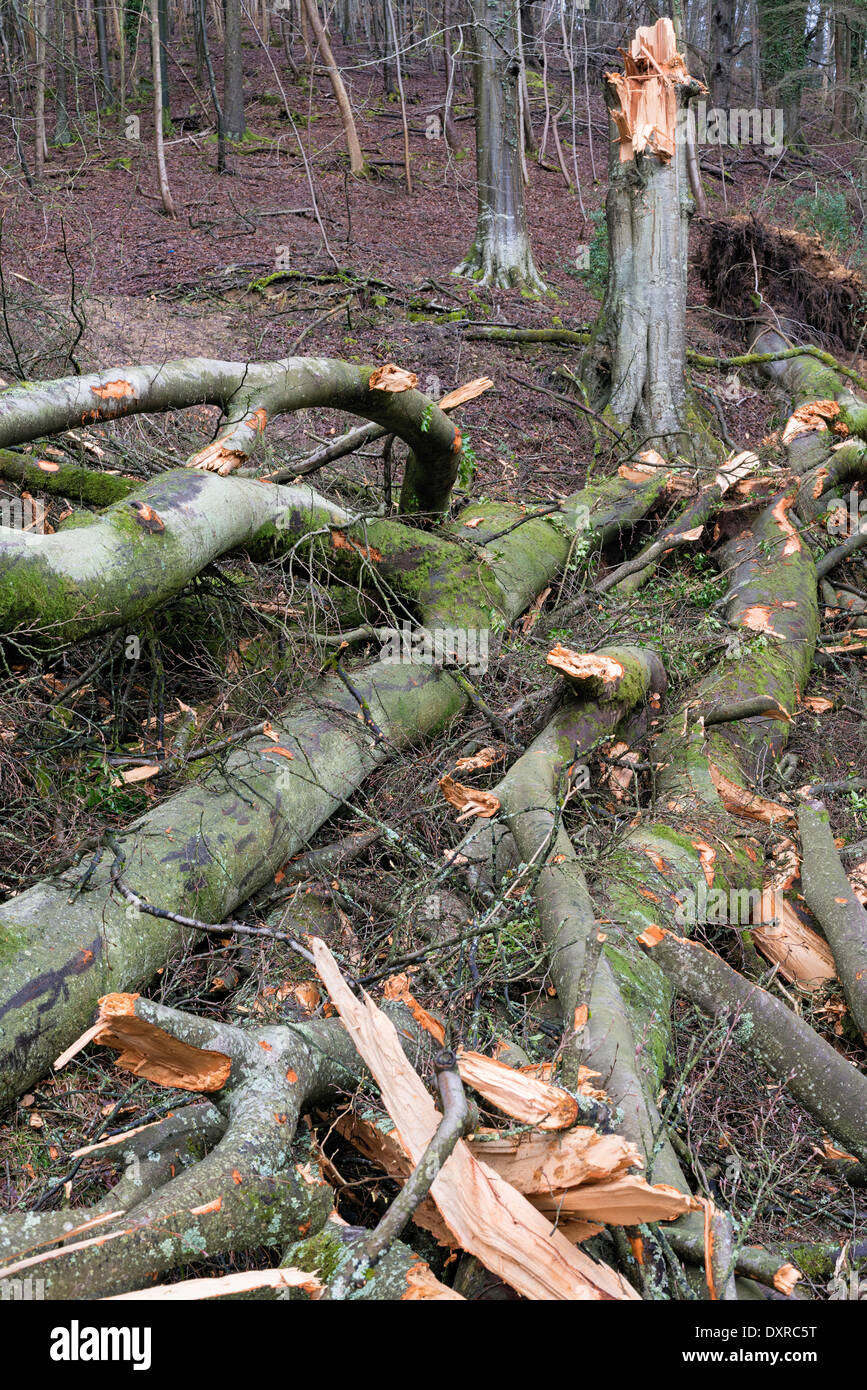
{"x":149,"y":289}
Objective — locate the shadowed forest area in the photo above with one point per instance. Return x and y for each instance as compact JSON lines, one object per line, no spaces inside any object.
{"x":433,"y":619}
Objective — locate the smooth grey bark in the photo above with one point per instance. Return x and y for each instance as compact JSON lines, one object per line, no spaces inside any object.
{"x":200,"y":853}
{"x":721,"y":24}
{"x":813,"y":1071}
{"x":831,"y":899}
{"x":233,"y":71}
{"x":636,"y":363}
{"x":249,"y":393}
{"x":61,"y":119}
{"x":500,"y":255}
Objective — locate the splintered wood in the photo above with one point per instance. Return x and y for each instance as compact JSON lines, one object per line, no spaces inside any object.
{"x":486,"y":1215}
{"x":595,"y":672}
{"x":519,"y":1203}
{"x":647,"y":90}
{"x":148,"y":1051}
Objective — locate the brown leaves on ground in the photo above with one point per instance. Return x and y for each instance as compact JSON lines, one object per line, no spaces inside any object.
{"x":468,"y":800}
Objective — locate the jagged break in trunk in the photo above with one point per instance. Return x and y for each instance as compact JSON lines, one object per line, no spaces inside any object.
{"x":637,"y":358}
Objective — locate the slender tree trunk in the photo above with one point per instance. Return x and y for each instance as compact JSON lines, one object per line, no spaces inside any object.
{"x":453,"y":139}
{"x":756,"y":64}
{"x":356,"y":158}
{"x":843,"y":97}
{"x":102,"y":44}
{"x":61,"y":120}
{"x":391,"y":19}
{"x":201,"y":10}
{"x":165,"y":191}
{"x":783,"y":25}
{"x":721,"y":21}
{"x":233,"y":71}
{"x":500,"y":254}
{"x":40,"y":21}
{"x":164,"y":54}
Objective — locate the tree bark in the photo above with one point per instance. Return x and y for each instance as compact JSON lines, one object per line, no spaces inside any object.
{"x":356,"y":158}
{"x":205,"y":850}
{"x":500,"y":255}
{"x":233,"y":71}
{"x":636,"y":363}
{"x":162,"y":173}
{"x":721,"y":22}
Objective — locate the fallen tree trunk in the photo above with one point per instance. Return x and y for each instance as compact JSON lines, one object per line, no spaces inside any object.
{"x":208,"y":848}
{"x":705,"y":771}
{"x":145,"y":548}
{"x":249,"y":394}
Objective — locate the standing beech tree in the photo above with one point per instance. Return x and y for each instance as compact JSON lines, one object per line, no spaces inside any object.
{"x":233,"y":72}
{"x":500,"y":254}
{"x":637,"y":356}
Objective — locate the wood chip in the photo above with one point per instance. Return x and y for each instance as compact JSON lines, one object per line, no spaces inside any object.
{"x":748,"y":805}
{"x":148,"y":1051}
{"x":518,"y":1094}
{"x":462,"y":394}
{"x":543,"y":1162}
{"x":486,"y":757}
{"x":392,"y":378}
{"x":468,"y":800}
{"x":224,"y":1286}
